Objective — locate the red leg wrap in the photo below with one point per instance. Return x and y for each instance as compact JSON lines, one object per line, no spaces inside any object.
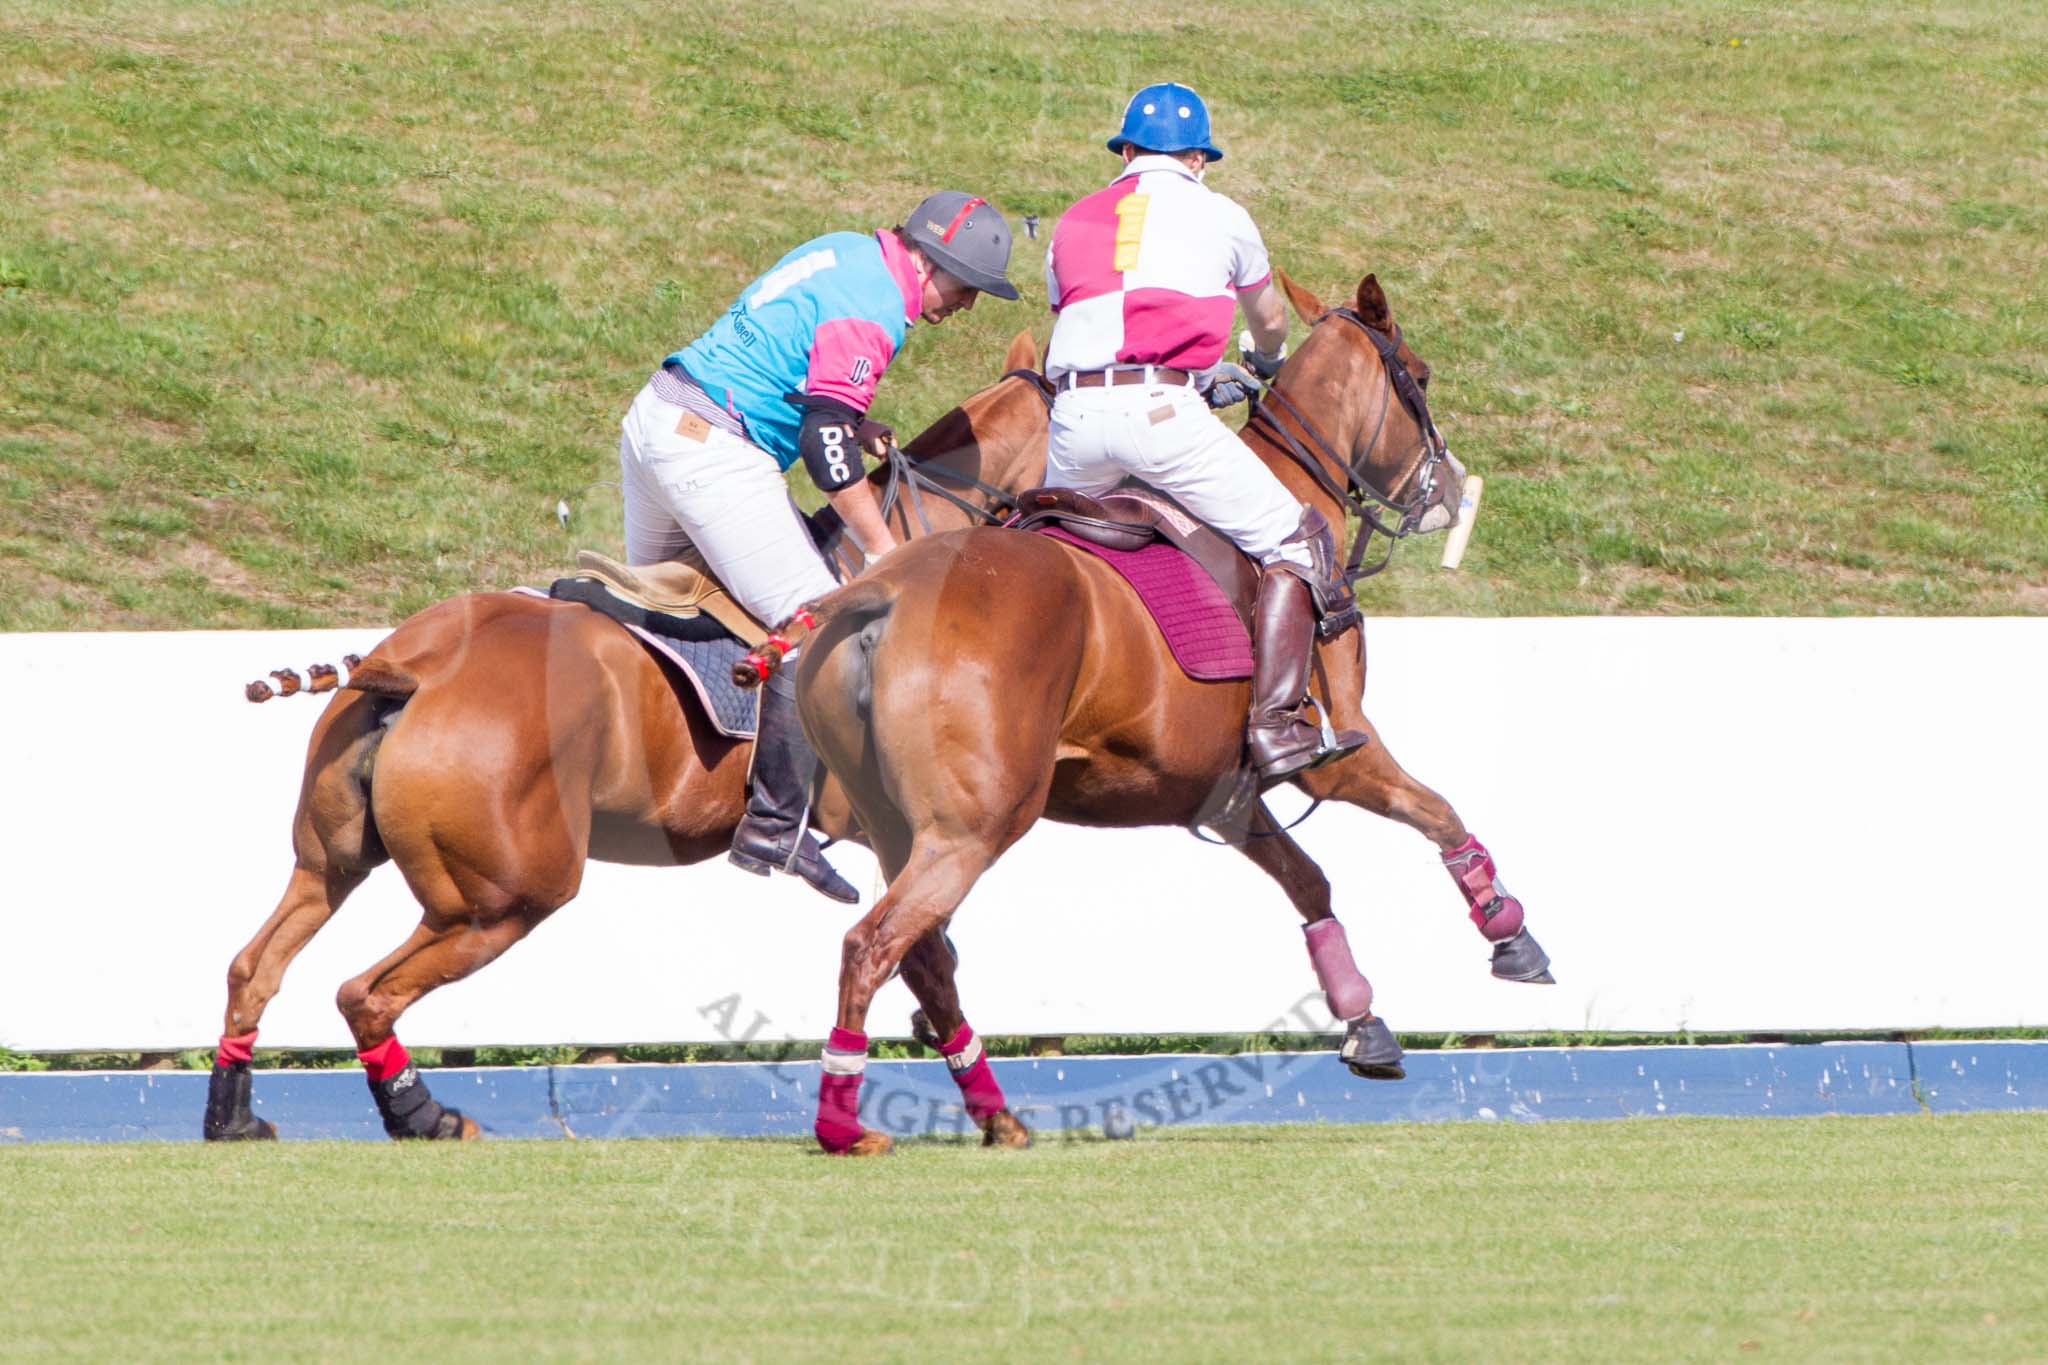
{"x":1495,"y":913}
{"x":238,"y":1048}
{"x":386,"y":1059}
{"x":971,"y":1072}
{"x":846,"y":1058}
{"x":1345,"y":990}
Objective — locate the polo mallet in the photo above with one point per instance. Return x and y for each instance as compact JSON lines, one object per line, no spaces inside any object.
{"x":1468,"y":512}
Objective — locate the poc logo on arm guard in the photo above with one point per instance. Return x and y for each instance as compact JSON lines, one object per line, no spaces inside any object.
{"x":834,"y":438}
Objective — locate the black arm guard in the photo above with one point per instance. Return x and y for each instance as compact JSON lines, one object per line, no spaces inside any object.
{"x":827,"y":442}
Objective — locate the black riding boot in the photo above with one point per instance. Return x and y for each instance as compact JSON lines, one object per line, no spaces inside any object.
{"x":1282,"y":739}
{"x":775,"y":836}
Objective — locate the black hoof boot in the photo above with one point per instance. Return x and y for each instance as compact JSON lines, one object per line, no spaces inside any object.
{"x":228,"y":1116}
{"x":1371,"y":1050}
{"x":1521,"y":958}
{"x":409,"y":1111}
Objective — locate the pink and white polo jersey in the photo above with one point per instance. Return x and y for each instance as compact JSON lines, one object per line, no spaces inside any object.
{"x":1147,"y":272}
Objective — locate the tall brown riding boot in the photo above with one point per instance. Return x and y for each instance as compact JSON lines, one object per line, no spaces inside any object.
{"x":1282,"y":739}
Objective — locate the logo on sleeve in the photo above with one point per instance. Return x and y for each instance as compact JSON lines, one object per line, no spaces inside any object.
{"x":862,"y":368}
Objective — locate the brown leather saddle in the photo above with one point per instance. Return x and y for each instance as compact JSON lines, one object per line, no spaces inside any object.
{"x":1132,"y":516}
{"x":678,"y":589}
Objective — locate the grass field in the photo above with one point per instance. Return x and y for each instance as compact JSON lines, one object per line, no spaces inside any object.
{"x":1831,"y":1239}
{"x":310,"y":315}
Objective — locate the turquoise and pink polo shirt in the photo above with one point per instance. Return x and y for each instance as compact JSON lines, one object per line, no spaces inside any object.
{"x":826,"y":319}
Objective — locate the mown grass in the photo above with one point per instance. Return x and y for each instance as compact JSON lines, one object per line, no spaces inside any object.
{"x":1826,"y":1239}
{"x":311,"y":314}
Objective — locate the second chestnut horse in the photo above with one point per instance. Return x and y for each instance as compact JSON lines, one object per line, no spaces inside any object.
{"x":978,"y":681}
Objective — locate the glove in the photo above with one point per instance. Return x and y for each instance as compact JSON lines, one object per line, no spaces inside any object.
{"x":1259,"y":362}
{"x":1230,"y":385}
{"x":874,"y":437}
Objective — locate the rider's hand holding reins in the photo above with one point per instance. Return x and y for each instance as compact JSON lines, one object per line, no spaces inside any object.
{"x":1231,"y":385}
{"x":874,"y":438}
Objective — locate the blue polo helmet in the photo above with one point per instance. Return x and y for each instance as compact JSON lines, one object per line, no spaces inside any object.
{"x":1167,"y":117}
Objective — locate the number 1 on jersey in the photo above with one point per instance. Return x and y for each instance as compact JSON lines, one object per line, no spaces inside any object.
{"x":1130,"y":226}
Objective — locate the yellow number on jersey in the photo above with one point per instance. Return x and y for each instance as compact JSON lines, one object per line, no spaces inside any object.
{"x":1130,"y":226}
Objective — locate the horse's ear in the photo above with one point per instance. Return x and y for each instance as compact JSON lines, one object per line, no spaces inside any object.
{"x":1023,"y":350}
{"x":1306,"y":304}
{"x":1372,"y":305}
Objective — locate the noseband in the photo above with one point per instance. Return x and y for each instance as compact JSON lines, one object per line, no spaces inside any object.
{"x":1368,"y":501}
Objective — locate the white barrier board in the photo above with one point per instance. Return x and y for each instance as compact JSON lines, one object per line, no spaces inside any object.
{"x":1715,"y":824}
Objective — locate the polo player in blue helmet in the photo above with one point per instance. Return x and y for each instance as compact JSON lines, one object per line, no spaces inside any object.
{"x":787,"y":373}
{"x":1147,"y":276}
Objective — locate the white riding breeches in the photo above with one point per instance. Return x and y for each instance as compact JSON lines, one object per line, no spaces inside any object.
{"x":686,"y":482}
{"x":1166,"y":436}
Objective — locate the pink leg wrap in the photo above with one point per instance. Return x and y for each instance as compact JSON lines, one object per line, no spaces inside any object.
{"x":1345,"y":989}
{"x":239,"y":1048}
{"x":1495,"y":913}
{"x":972,"y":1074}
{"x":386,"y":1059}
{"x":846,"y":1058}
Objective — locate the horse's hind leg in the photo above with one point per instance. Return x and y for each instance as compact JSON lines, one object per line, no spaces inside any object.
{"x":924,"y":890}
{"x":928,"y":970}
{"x":310,"y":900}
{"x":435,"y":954}
{"x":337,"y":845}
{"x":1370,"y":777}
{"x":1369,"y":1048}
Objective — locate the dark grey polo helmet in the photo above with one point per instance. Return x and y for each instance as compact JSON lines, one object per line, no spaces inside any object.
{"x":963,"y":235}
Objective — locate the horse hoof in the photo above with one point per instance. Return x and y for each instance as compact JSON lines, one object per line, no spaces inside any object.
{"x":1371,"y":1050}
{"x":870,"y":1143}
{"x":1005,"y":1129}
{"x":1521,"y":958}
{"x":252,"y":1130}
{"x":454,"y":1125}
{"x":921,"y":1029}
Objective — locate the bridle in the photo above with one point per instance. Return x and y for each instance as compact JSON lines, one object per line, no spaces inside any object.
{"x":908,"y":480}
{"x":1368,"y":501}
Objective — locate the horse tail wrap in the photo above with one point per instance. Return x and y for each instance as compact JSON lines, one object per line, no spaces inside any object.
{"x":285,"y":682}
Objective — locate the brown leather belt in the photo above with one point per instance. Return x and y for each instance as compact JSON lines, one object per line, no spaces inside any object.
{"x":1095,"y":379}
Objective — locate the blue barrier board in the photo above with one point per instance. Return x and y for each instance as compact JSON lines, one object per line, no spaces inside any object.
{"x":1079,"y":1094}
{"x":1959,"y":1077}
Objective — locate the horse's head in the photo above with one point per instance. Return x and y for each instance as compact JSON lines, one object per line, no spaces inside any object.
{"x":1357,"y":372}
{"x":997,"y":434}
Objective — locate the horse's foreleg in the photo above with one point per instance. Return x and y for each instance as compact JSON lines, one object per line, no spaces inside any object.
{"x":928,"y":970}
{"x":1370,"y":777}
{"x":371,"y":1003}
{"x":310,"y":900}
{"x":1369,"y":1048}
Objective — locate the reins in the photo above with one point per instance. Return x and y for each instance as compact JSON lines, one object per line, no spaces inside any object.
{"x":1364,"y":499}
{"x":908,"y":480}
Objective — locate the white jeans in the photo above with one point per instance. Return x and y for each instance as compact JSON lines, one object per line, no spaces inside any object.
{"x":1165,"y":435}
{"x":702,"y":486}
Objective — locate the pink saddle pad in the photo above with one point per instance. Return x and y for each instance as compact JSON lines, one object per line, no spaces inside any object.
{"x":1206,"y":637}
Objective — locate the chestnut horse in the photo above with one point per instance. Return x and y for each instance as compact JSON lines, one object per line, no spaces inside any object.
{"x":980,"y":680}
{"x":495,"y":741}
